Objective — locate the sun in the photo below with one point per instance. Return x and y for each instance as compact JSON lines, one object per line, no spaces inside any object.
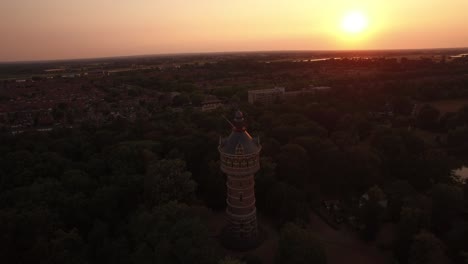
{"x":354,"y":22}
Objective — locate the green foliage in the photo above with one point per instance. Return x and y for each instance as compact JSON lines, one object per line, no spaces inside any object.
{"x":171,"y":233}
{"x":406,"y":156}
{"x":168,"y":180}
{"x":412,"y":220}
{"x":427,"y":249}
{"x":293,"y":164}
{"x":78,"y":181}
{"x":447,"y":202}
{"x":126,"y":159}
{"x":104,"y":194}
{"x":68,"y":247}
{"x":457,"y":139}
{"x":363,"y":167}
{"x":212,"y":187}
{"x":229,"y":260}
{"x":298,"y":245}
{"x":372,"y":212}
{"x":402,"y":106}
{"x":286,"y":203}
{"x":415,"y":216}
{"x":427,"y":117}
{"x":180,"y":100}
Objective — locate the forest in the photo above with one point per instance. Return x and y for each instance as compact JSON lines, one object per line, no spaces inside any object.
{"x":141,"y":192}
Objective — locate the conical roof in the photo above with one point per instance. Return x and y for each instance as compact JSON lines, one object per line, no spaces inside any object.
{"x":239,"y":142}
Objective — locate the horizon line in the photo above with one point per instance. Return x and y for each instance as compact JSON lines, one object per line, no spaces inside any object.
{"x":217,"y":53}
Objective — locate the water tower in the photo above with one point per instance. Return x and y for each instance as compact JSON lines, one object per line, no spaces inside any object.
{"x":240,"y":160}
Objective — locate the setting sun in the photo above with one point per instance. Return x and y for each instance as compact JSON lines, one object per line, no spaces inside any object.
{"x":354,"y":22}
{"x":106,"y":28}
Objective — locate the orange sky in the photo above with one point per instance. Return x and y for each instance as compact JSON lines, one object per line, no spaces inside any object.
{"x":58,"y":29}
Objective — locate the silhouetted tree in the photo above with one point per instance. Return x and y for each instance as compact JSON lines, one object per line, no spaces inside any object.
{"x":427,"y":249}
{"x":298,"y":245}
{"x":168,"y":180}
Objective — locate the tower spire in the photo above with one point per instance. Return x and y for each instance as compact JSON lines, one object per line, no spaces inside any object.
{"x":239,"y":124}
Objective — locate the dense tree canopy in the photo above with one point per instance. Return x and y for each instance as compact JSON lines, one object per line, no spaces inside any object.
{"x":127,"y":191}
{"x":298,"y":245}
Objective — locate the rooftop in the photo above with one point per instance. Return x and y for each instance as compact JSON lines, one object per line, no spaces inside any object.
{"x":240,"y":142}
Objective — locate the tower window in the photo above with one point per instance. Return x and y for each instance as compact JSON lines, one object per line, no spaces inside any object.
{"x":239,"y":149}
{"x":241,"y":197}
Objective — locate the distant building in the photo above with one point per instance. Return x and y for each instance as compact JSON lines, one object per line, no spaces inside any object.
{"x":266,"y":96}
{"x":319,"y":89}
{"x":210,"y":105}
{"x":96,"y":73}
{"x":309,"y":90}
{"x":269,"y":96}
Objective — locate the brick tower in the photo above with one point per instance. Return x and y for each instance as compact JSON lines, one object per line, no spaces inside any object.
{"x":240,"y":155}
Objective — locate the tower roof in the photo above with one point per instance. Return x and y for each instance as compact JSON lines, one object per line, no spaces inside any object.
{"x":239,"y":142}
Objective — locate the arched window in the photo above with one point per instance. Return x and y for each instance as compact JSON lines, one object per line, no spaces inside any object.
{"x":239,"y":149}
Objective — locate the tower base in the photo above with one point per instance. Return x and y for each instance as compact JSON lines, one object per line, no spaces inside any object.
{"x":231,"y":240}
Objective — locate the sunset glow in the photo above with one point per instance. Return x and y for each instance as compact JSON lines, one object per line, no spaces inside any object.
{"x":354,"y":22}
{"x":51,"y":29}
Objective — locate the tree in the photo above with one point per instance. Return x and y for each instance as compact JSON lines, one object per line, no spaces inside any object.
{"x":293,"y":164}
{"x":427,"y":117}
{"x":404,"y":156}
{"x":398,"y":191}
{"x":447,"y":202}
{"x":127,"y":158}
{"x":372,"y":212}
{"x":412,"y":220}
{"x":212,"y":186}
{"x":172,"y":233}
{"x":285,"y":203}
{"x":325,"y":116}
{"x":457,"y":138}
{"x":229,"y":260}
{"x":364,"y":166}
{"x":298,"y":245}
{"x":323,"y":154}
{"x":427,"y":249}
{"x":78,"y":181}
{"x":168,"y":180}
{"x":457,"y":240}
{"x":50,"y":164}
{"x":196,"y":98}
{"x":180,"y":100}
{"x":68,"y":247}
{"x":402,"y":106}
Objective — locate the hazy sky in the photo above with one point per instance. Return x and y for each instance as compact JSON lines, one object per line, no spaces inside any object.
{"x":56,"y":29}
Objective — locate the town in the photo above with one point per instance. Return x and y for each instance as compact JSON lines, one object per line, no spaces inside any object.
{"x":101,"y":92}
{"x":254,"y":151}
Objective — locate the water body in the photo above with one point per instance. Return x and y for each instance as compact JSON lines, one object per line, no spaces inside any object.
{"x":460,"y":55}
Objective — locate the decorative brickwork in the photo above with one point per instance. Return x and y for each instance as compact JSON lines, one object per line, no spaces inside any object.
{"x":239,"y":155}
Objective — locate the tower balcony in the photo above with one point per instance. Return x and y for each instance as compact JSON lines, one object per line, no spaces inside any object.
{"x":240,"y":171}
{"x":240,"y":165}
{"x":242,"y":217}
